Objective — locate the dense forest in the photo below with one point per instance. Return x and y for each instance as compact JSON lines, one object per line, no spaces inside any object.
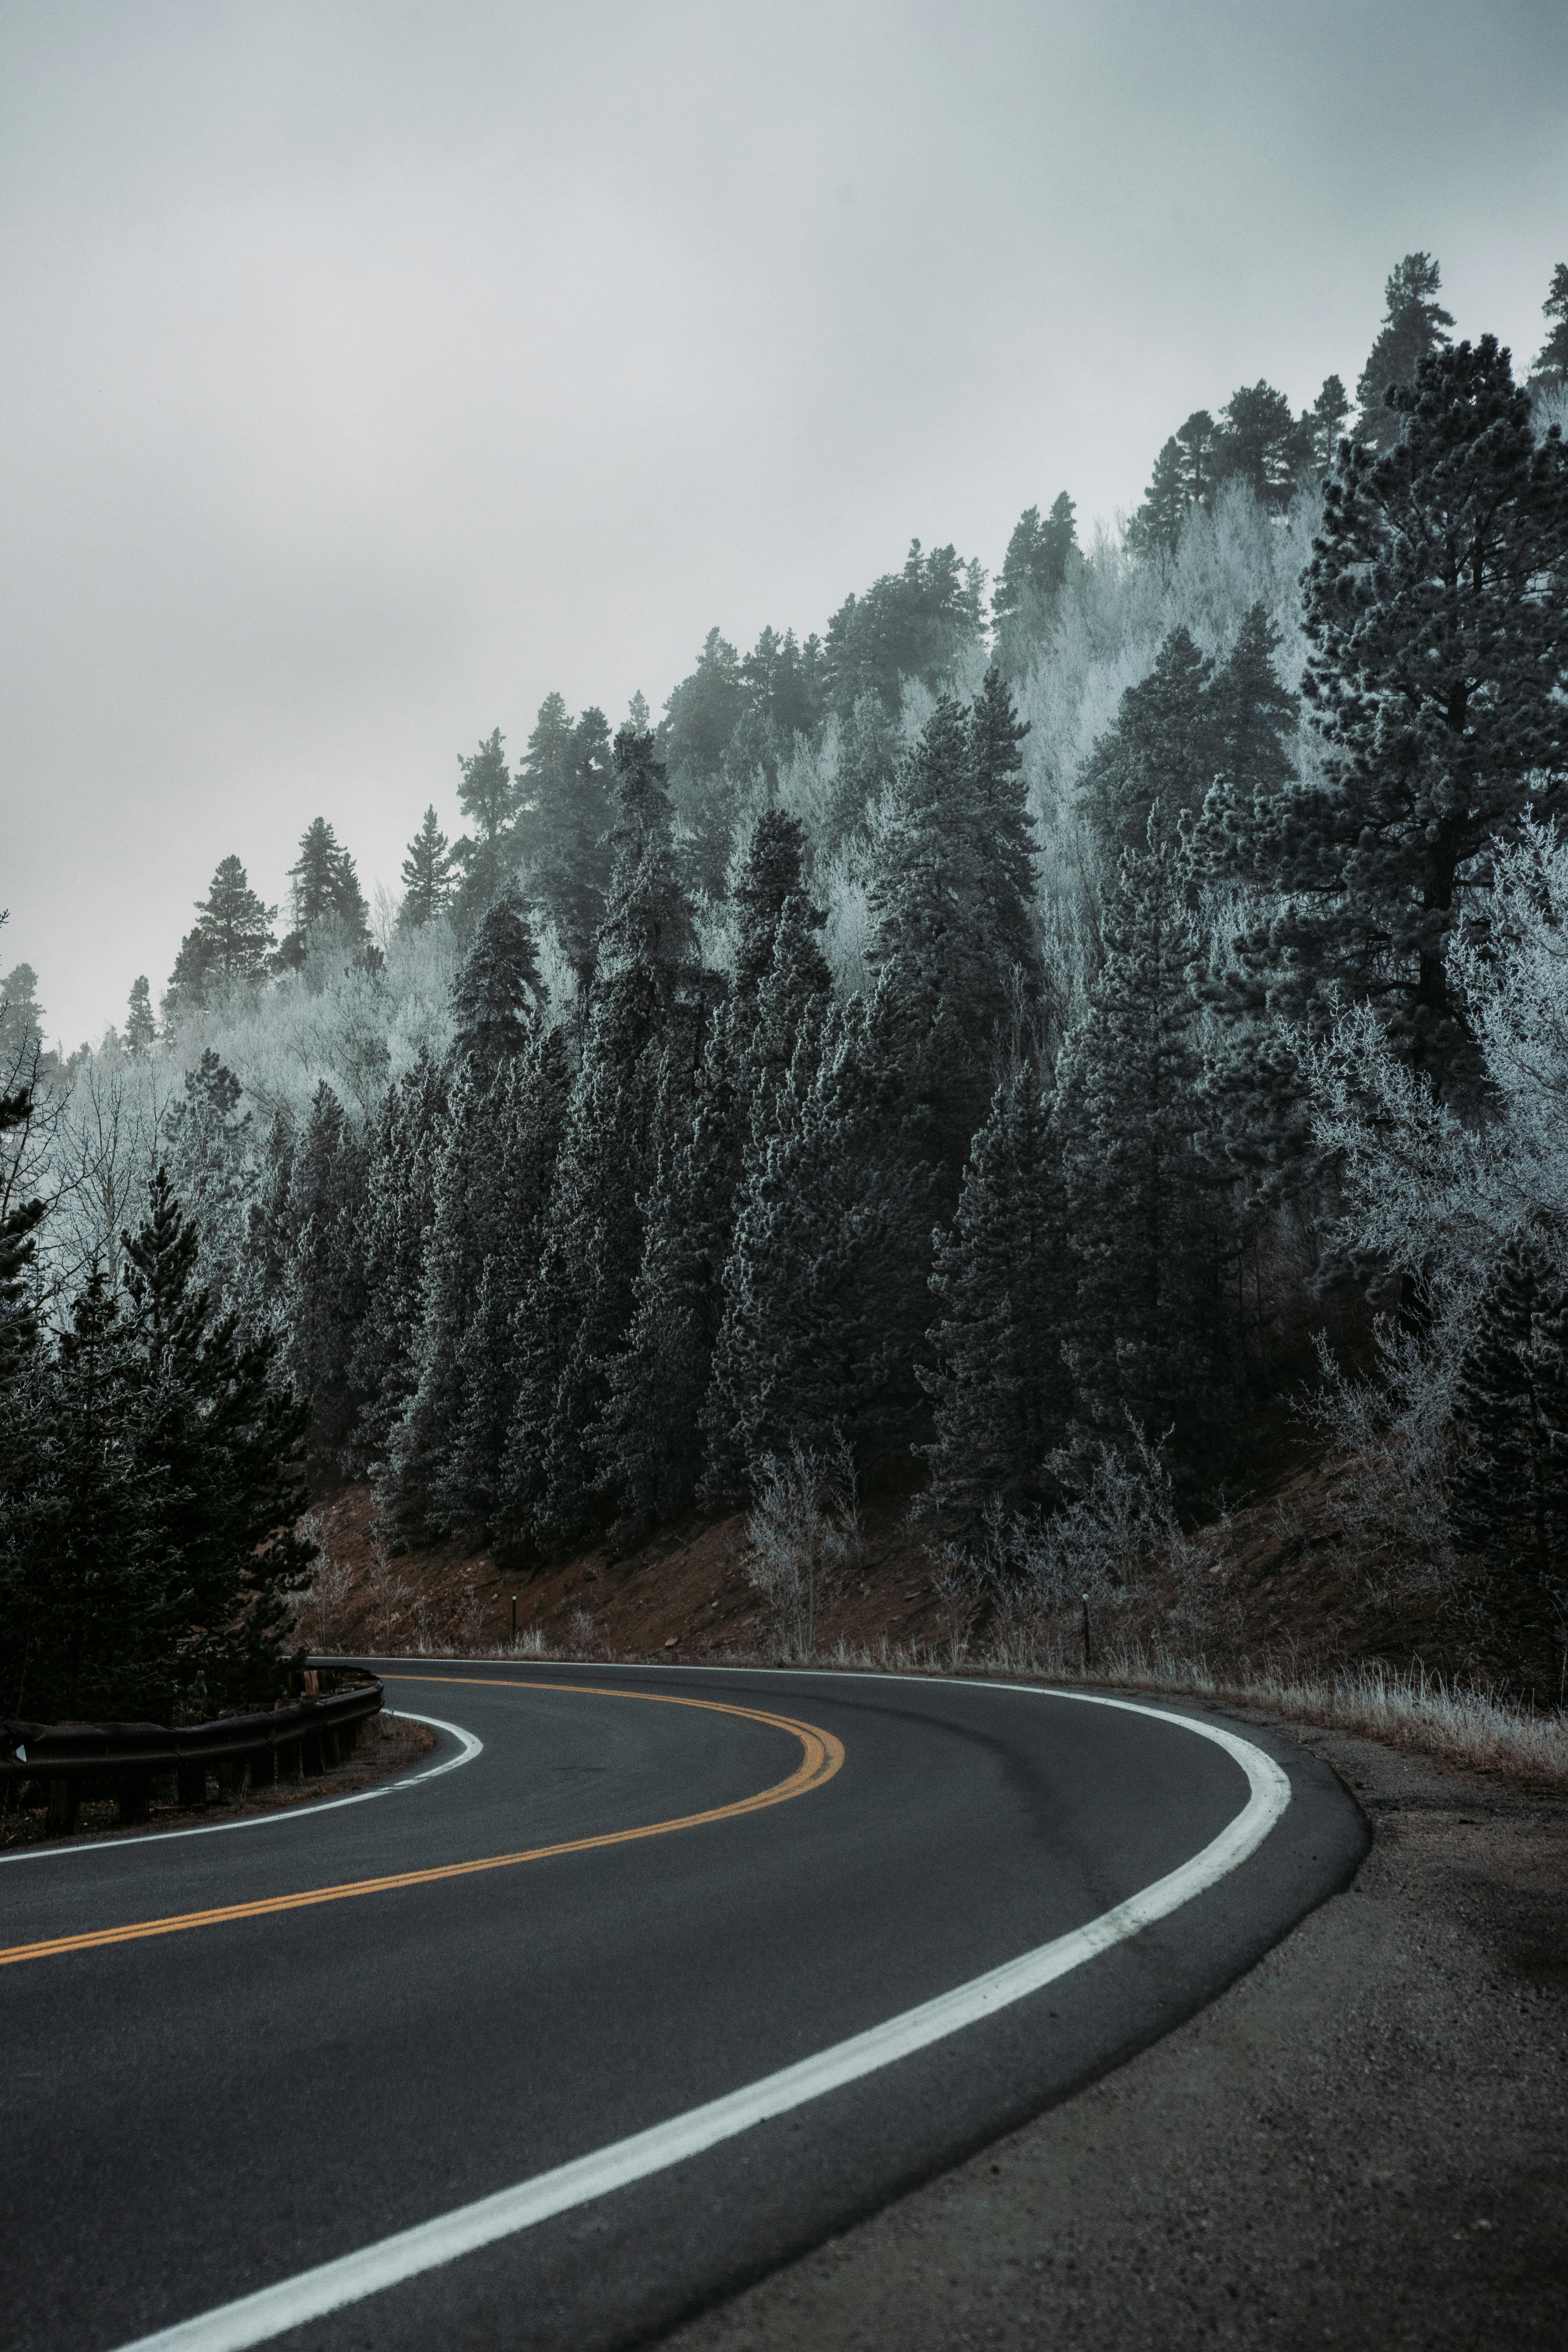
{"x":1035,"y":1034}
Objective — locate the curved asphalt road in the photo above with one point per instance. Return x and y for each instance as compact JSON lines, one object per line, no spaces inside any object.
{"x":201,"y":2115}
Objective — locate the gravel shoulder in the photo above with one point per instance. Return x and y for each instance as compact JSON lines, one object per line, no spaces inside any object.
{"x":1364,"y":2143}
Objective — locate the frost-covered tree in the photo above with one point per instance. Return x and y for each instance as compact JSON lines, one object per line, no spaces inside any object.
{"x":1438,"y":634}
{"x":1160,"y":747}
{"x":324,"y":889}
{"x":1508,"y":1496}
{"x":1414,"y":331}
{"x":1549,"y":372}
{"x":231,"y":942}
{"x":427,"y":876}
{"x":1145,"y":1219}
{"x":322,"y":1293}
{"x":1001,"y":1395}
{"x":498,"y":997}
{"x":563,"y":826}
{"x":824,"y":1288}
{"x":645,"y":1033}
{"x":141,"y":1026}
{"x":488,"y":799}
{"x":150,"y":1495}
{"x":400,"y":1210}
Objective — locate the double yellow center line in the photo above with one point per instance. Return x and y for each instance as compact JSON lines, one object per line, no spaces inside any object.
{"x":821,"y":1758}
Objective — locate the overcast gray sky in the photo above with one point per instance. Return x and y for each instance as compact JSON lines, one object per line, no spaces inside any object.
{"x":372,"y":370}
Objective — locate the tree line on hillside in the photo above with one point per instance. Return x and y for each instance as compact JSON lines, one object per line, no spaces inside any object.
{"x":977,"y":1182}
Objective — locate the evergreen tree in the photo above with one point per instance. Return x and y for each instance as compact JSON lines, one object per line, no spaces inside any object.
{"x":147,"y":1545}
{"x":1156,"y":528}
{"x":1147,"y":1335}
{"x":771,"y":874}
{"x":1413,"y":331}
{"x":652,"y":1444}
{"x":498,"y":997}
{"x":825,"y":1286}
{"x":509,"y":1197}
{"x":916,"y":623}
{"x":1035,"y":564}
{"x":427,"y":876}
{"x":496,"y":1006}
{"x":644,"y":1034}
{"x":1251,"y":721}
{"x":207,"y":1143}
{"x":1198,"y":443}
{"x":324,"y":885}
{"x":1510,"y":1487}
{"x":1259,"y":443}
{"x":400,"y":1212}
{"x":230,"y":944}
{"x":21,"y":1019}
{"x":141,"y":1028}
{"x":1160,"y":749}
{"x":1323,"y":428}
{"x":1549,"y":372}
{"x":489,"y":800}
{"x":563,"y":829}
{"x":323,"y":1293}
{"x":21,"y":1213}
{"x":1003,"y":1397}
{"x":1434,"y":611}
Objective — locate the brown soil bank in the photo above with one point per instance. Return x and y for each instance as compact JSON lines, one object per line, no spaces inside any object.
{"x":1362,"y":2144}
{"x":1273,"y":1580}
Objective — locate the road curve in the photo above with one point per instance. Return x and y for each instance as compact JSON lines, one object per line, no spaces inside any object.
{"x":682,"y":1970}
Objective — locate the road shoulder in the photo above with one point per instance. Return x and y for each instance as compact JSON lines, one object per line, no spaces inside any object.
{"x":1362,"y":2143}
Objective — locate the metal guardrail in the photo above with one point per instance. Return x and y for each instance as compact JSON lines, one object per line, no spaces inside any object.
{"x":293,"y":1742}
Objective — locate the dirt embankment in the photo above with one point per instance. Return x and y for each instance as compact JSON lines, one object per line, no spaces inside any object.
{"x":1275,"y":1580}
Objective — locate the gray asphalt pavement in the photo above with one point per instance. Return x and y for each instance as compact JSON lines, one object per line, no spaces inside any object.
{"x":197,"y":2116}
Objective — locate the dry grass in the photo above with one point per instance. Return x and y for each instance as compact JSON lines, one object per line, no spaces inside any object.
{"x":1455,"y":1723}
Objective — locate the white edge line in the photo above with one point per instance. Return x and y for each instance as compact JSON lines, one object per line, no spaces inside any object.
{"x":290,"y":1813}
{"x":273,"y":2310}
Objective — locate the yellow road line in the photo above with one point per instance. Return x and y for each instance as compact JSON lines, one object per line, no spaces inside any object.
{"x":821,"y":1757}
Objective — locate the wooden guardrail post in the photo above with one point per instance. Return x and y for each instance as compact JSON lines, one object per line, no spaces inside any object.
{"x":135,"y":1796}
{"x":65,"y":1804}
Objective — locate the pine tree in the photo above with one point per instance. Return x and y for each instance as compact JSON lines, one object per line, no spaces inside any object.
{"x":1198,"y":442}
{"x":1147,"y":1335}
{"x":498,"y":996}
{"x":324,"y":1292}
{"x":427,"y":876}
{"x":400,"y":1212}
{"x":1434,"y":615}
{"x":226,"y":1435}
{"x":230,"y":944}
{"x":1003,"y":1397}
{"x":1035,"y":564}
{"x":1259,"y":443}
{"x":510,"y":1192}
{"x":1510,"y":1487}
{"x":208,"y":1139}
{"x":488,"y":799}
{"x":141,"y":1028}
{"x":147,"y":1543}
{"x":950,"y":913}
{"x":1323,"y":428}
{"x":1156,"y":528}
{"x":825,"y":1286}
{"x":563,"y":828}
{"x":770,"y":874}
{"x":1160,"y":749}
{"x":1549,"y":372}
{"x":21,"y":1213}
{"x":645,"y":1034}
{"x":652,"y":1445}
{"x":1413,"y":331}
{"x":324,"y":885}
{"x":1250,"y":721}
{"x":21,"y":1019}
